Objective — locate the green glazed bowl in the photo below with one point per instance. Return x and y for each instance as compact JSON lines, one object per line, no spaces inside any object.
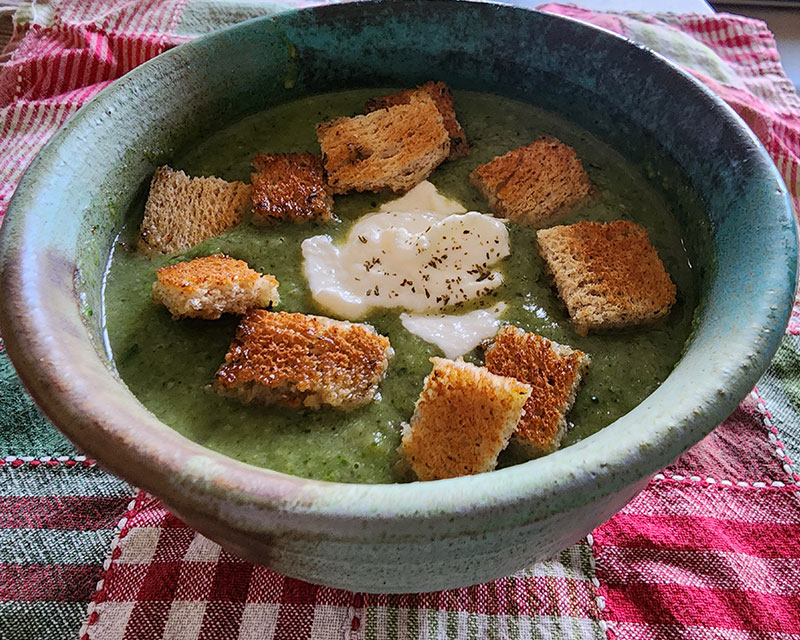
{"x":421,"y":536}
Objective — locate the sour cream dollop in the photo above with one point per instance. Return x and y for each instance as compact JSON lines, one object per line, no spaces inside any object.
{"x":420,"y":253}
{"x":455,"y":335}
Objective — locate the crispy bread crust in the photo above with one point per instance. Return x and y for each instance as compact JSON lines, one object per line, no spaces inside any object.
{"x":608,"y":275}
{"x":441,"y":95}
{"x":181,"y":211}
{"x":554,"y":373}
{"x":463,"y":419}
{"x":289,"y":187}
{"x":394,"y":148}
{"x":210,"y":286}
{"x":532,"y":185}
{"x":293,"y":359}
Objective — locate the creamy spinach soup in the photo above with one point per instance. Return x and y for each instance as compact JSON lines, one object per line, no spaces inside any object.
{"x":169,"y":364}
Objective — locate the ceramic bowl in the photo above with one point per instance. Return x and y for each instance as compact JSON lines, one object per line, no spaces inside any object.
{"x":420,"y":536}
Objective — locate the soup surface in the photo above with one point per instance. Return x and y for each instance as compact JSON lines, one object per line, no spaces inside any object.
{"x":169,"y":364}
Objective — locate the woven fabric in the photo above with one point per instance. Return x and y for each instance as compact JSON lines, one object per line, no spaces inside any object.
{"x":709,"y":549}
{"x":687,"y":558}
{"x":26,"y":432}
{"x":693,"y":558}
{"x":58,"y":66}
{"x":167,"y":581}
{"x":57,"y":520}
{"x":782,"y":393}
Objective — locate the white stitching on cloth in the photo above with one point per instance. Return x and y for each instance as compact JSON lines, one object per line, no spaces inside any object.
{"x":709,"y":481}
{"x":772,"y":434}
{"x":91,"y":613}
{"x":48,"y":461}
{"x":599,"y":600}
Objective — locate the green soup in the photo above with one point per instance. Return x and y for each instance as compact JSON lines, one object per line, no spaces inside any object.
{"x":169,"y":364}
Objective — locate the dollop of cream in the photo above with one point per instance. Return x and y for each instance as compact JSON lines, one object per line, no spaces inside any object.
{"x":455,"y":335}
{"x":420,"y":253}
{"x":424,"y":198}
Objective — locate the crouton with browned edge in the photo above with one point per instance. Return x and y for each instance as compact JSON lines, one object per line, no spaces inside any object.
{"x":553,"y":371}
{"x":441,"y":95}
{"x":296,"y":360}
{"x":181,"y":211}
{"x":208,"y":287}
{"x":463,"y":419}
{"x":534,"y":184}
{"x":289,"y":187}
{"x":608,"y":274}
{"x":394,"y":148}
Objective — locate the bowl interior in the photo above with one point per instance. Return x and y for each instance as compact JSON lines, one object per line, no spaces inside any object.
{"x":688,"y":141}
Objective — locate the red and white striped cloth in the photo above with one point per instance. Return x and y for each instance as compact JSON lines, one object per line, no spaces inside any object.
{"x":57,"y":68}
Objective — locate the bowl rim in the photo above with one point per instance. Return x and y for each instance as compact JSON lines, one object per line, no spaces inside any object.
{"x":596,"y":466}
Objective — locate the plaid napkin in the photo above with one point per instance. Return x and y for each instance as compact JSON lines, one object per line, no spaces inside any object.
{"x":710,"y":549}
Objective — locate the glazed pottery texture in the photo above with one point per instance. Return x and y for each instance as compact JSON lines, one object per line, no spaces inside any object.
{"x":420,"y":536}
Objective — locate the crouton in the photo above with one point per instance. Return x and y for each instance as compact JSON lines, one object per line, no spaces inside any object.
{"x":553,"y":371}
{"x":463,"y":419}
{"x":289,"y":187}
{"x":208,"y":287}
{"x":394,"y":148}
{"x":293,"y":360}
{"x":444,"y":103}
{"x":181,"y":211}
{"x":533,"y":184}
{"x":608,"y":275}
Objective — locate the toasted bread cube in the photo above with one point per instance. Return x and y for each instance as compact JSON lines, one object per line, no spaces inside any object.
{"x":533,"y":184}
{"x":208,"y":287}
{"x":294,"y":360}
{"x":394,"y":148}
{"x":181,"y":211}
{"x":553,"y":371}
{"x":608,"y":275}
{"x":463,"y":419}
{"x":440,"y":93}
{"x":289,"y":187}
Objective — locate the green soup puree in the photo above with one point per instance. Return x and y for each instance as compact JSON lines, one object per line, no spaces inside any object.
{"x":169,"y":365}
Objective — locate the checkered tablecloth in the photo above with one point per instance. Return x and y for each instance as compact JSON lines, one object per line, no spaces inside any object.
{"x":709,"y":550}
